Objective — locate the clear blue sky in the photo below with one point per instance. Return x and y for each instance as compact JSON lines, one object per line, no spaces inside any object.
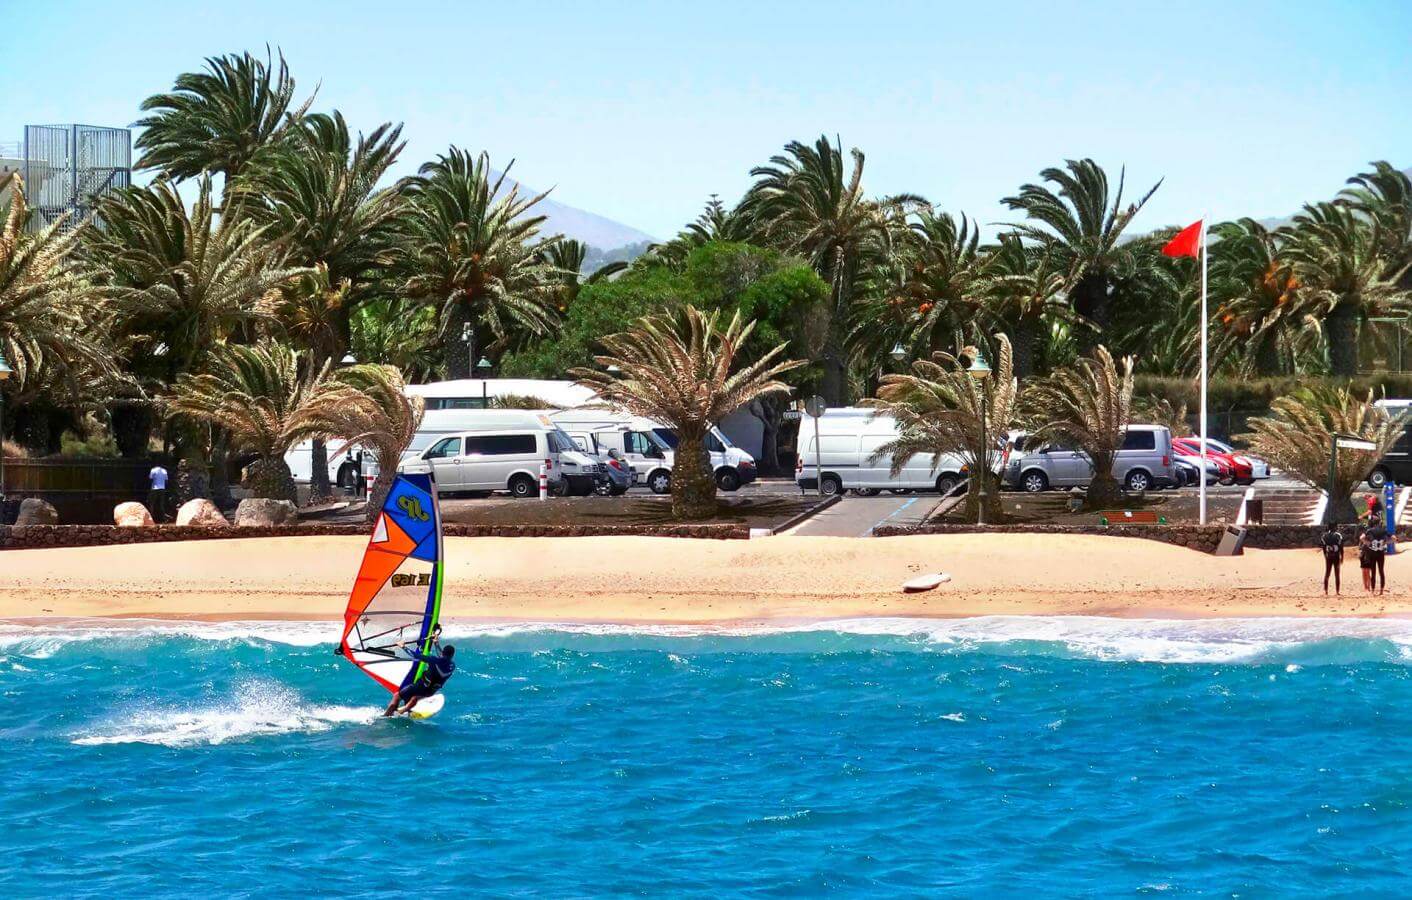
{"x":639,"y":111}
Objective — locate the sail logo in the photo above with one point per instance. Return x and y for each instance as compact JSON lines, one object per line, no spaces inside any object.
{"x":412,"y":507}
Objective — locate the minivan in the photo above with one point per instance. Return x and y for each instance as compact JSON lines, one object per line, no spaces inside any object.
{"x":651,"y":447}
{"x":850,"y":438}
{"x":516,"y":443}
{"x":1143,"y":463}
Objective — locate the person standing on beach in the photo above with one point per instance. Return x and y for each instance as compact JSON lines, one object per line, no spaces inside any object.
{"x":1365,"y":559}
{"x":1377,"y":545}
{"x":1332,"y":542}
{"x":157,"y":492}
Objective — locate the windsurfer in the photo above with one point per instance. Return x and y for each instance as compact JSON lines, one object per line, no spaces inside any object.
{"x":439,"y":668}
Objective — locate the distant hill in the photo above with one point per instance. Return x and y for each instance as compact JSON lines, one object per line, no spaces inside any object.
{"x":613,"y":240}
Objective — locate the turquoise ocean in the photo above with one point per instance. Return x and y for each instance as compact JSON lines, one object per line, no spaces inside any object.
{"x":992,"y":756}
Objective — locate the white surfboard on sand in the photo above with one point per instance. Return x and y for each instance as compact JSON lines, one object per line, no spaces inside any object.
{"x":925,"y":582}
{"x":427,"y":708}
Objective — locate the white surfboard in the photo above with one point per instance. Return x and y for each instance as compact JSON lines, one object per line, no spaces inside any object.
{"x":925,"y":582}
{"x":427,"y":708}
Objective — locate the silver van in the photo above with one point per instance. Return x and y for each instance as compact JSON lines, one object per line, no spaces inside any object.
{"x":1143,"y":464}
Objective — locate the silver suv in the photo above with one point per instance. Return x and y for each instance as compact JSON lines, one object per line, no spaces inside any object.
{"x":1143,"y":463}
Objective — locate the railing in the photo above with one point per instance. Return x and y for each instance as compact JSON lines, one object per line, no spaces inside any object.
{"x":84,"y":491}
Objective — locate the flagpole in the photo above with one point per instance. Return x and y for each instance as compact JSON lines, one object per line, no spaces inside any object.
{"x":1204,"y":220}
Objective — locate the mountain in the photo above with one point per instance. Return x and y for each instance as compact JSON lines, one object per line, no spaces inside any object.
{"x":599,"y":232}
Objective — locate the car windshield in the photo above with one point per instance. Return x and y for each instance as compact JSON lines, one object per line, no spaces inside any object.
{"x":422,"y":440}
{"x":667,"y":436}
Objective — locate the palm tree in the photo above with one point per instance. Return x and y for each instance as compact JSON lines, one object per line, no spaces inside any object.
{"x":1345,"y":276}
{"x":1259,"y":307}
{"x":942,"y":278}
{"x":1089,"y":405}
{"x":681,"y":370}
{"x":939,"y":408}
{"x":217,"y":120}
{"x":566,"y":257}
{"x":317,"y":190}
{"x":365,"y":405}
{"x":1084,"y":225}
{"x":1027,"y":291}
{"x":805,"y":203}
{"x":180,"y":284}
{"x":1384,"y":195}
{"x":469,"y":249}
{"x":255,"y":395}
{"x":1298,"y":435}
{"x":398,"y":332}
{"x":716,"y":223}
{"x":50,"y":329}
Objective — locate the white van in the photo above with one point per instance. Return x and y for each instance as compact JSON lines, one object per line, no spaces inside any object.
{"x":850,"y":439}
{"x":498,"y":450}
{"x":651,"y":447}
{"x":344,"y":469}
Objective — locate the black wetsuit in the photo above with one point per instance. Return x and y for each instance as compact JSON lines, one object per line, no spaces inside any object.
{"x":439,"y":669}
{"x":1377,"y":547}
{"x":1332,"y":542}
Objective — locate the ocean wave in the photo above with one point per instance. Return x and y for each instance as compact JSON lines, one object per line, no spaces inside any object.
{"x":1289,"y":641}
{"x":259,"y":709}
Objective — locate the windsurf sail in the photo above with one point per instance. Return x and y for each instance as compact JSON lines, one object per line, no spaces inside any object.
{"x":397,"y":595}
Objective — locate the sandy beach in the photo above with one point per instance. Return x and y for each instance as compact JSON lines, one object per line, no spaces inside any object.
{"x":637,"y":580}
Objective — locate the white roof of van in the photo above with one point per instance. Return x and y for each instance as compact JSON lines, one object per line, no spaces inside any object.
{"x":558,"y":393}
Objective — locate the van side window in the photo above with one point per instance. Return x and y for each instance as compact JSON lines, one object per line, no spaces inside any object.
{"x":1140,"y":440}
{"x":444,"y":449}
{"x":506,"y":444}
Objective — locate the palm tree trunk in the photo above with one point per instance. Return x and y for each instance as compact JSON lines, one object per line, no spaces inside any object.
{"x":132,"y":429}
{"x":271,"y":478}
{"x":693,"y":482}
{"x":1091,"y":302}
{"x":835,"y":381}
{"x":320,"y":489}
{"x":1267,"y":357}
{"x":220,"y":462}
{"x":1029,"y":331}
{"x":453,"y":346}
{"x":1341,"y":327}
{"x":382,"y":486}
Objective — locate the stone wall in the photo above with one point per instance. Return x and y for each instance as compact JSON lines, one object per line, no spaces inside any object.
{"x":14,"y":537}
{"x":1197,"y":537}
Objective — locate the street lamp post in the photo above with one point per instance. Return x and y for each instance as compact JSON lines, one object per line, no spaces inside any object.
{"x":980,"y":371}
{"x":5,"y":371}
{"x":482,"y":370}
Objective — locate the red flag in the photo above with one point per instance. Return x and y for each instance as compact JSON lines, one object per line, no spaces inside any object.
{"x":1186,"y":243}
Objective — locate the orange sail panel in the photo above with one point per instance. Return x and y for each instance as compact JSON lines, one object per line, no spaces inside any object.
{"x":397,"y":594}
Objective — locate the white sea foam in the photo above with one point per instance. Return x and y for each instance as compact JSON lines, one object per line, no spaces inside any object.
{"x":1093,"y":637}
{"x":258,"y":709}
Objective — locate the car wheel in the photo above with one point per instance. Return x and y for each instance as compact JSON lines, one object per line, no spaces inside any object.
{"x":866,"y":492}
{"x":899,"y":492}
{"x":1034,"y":482}
{"x":829,"y":485}
{"x":1138,"y":480}
{"x":728,"y":480}
{"x":946,"y":484}
{"x":660,"y":481}
{"x":1377,"y":478}
{"x":523,"y":487}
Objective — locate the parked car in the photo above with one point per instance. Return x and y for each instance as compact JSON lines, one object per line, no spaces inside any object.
{"x":847,"y":457}
{"x":1236,"y":467}
{"x":1143,"y":463}
{"x":1216,"y":470}
{"x":615,"y":474}
{"x":497,"y":450}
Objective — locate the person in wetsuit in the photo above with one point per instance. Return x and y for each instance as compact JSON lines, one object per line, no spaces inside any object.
{"x":1332,"y":543}
{"x":440,"y":668}
{"x":1377,"y":544}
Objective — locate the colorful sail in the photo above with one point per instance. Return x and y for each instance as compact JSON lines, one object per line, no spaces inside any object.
{"x":397,"y":596}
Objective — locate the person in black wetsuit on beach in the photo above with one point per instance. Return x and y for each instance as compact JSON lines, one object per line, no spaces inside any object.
{"x":439,"y":670}
{"x":1377,"y":544}
{"x":1332,"y":543}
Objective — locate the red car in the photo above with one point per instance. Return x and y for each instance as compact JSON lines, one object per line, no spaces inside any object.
{"x":1240,"y":469}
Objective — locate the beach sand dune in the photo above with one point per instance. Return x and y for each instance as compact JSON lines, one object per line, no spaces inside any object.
{"x":641,"y":579}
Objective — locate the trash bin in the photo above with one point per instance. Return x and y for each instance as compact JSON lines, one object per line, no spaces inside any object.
{"x":1232,"y":542}
{"x":1254,"y":511}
